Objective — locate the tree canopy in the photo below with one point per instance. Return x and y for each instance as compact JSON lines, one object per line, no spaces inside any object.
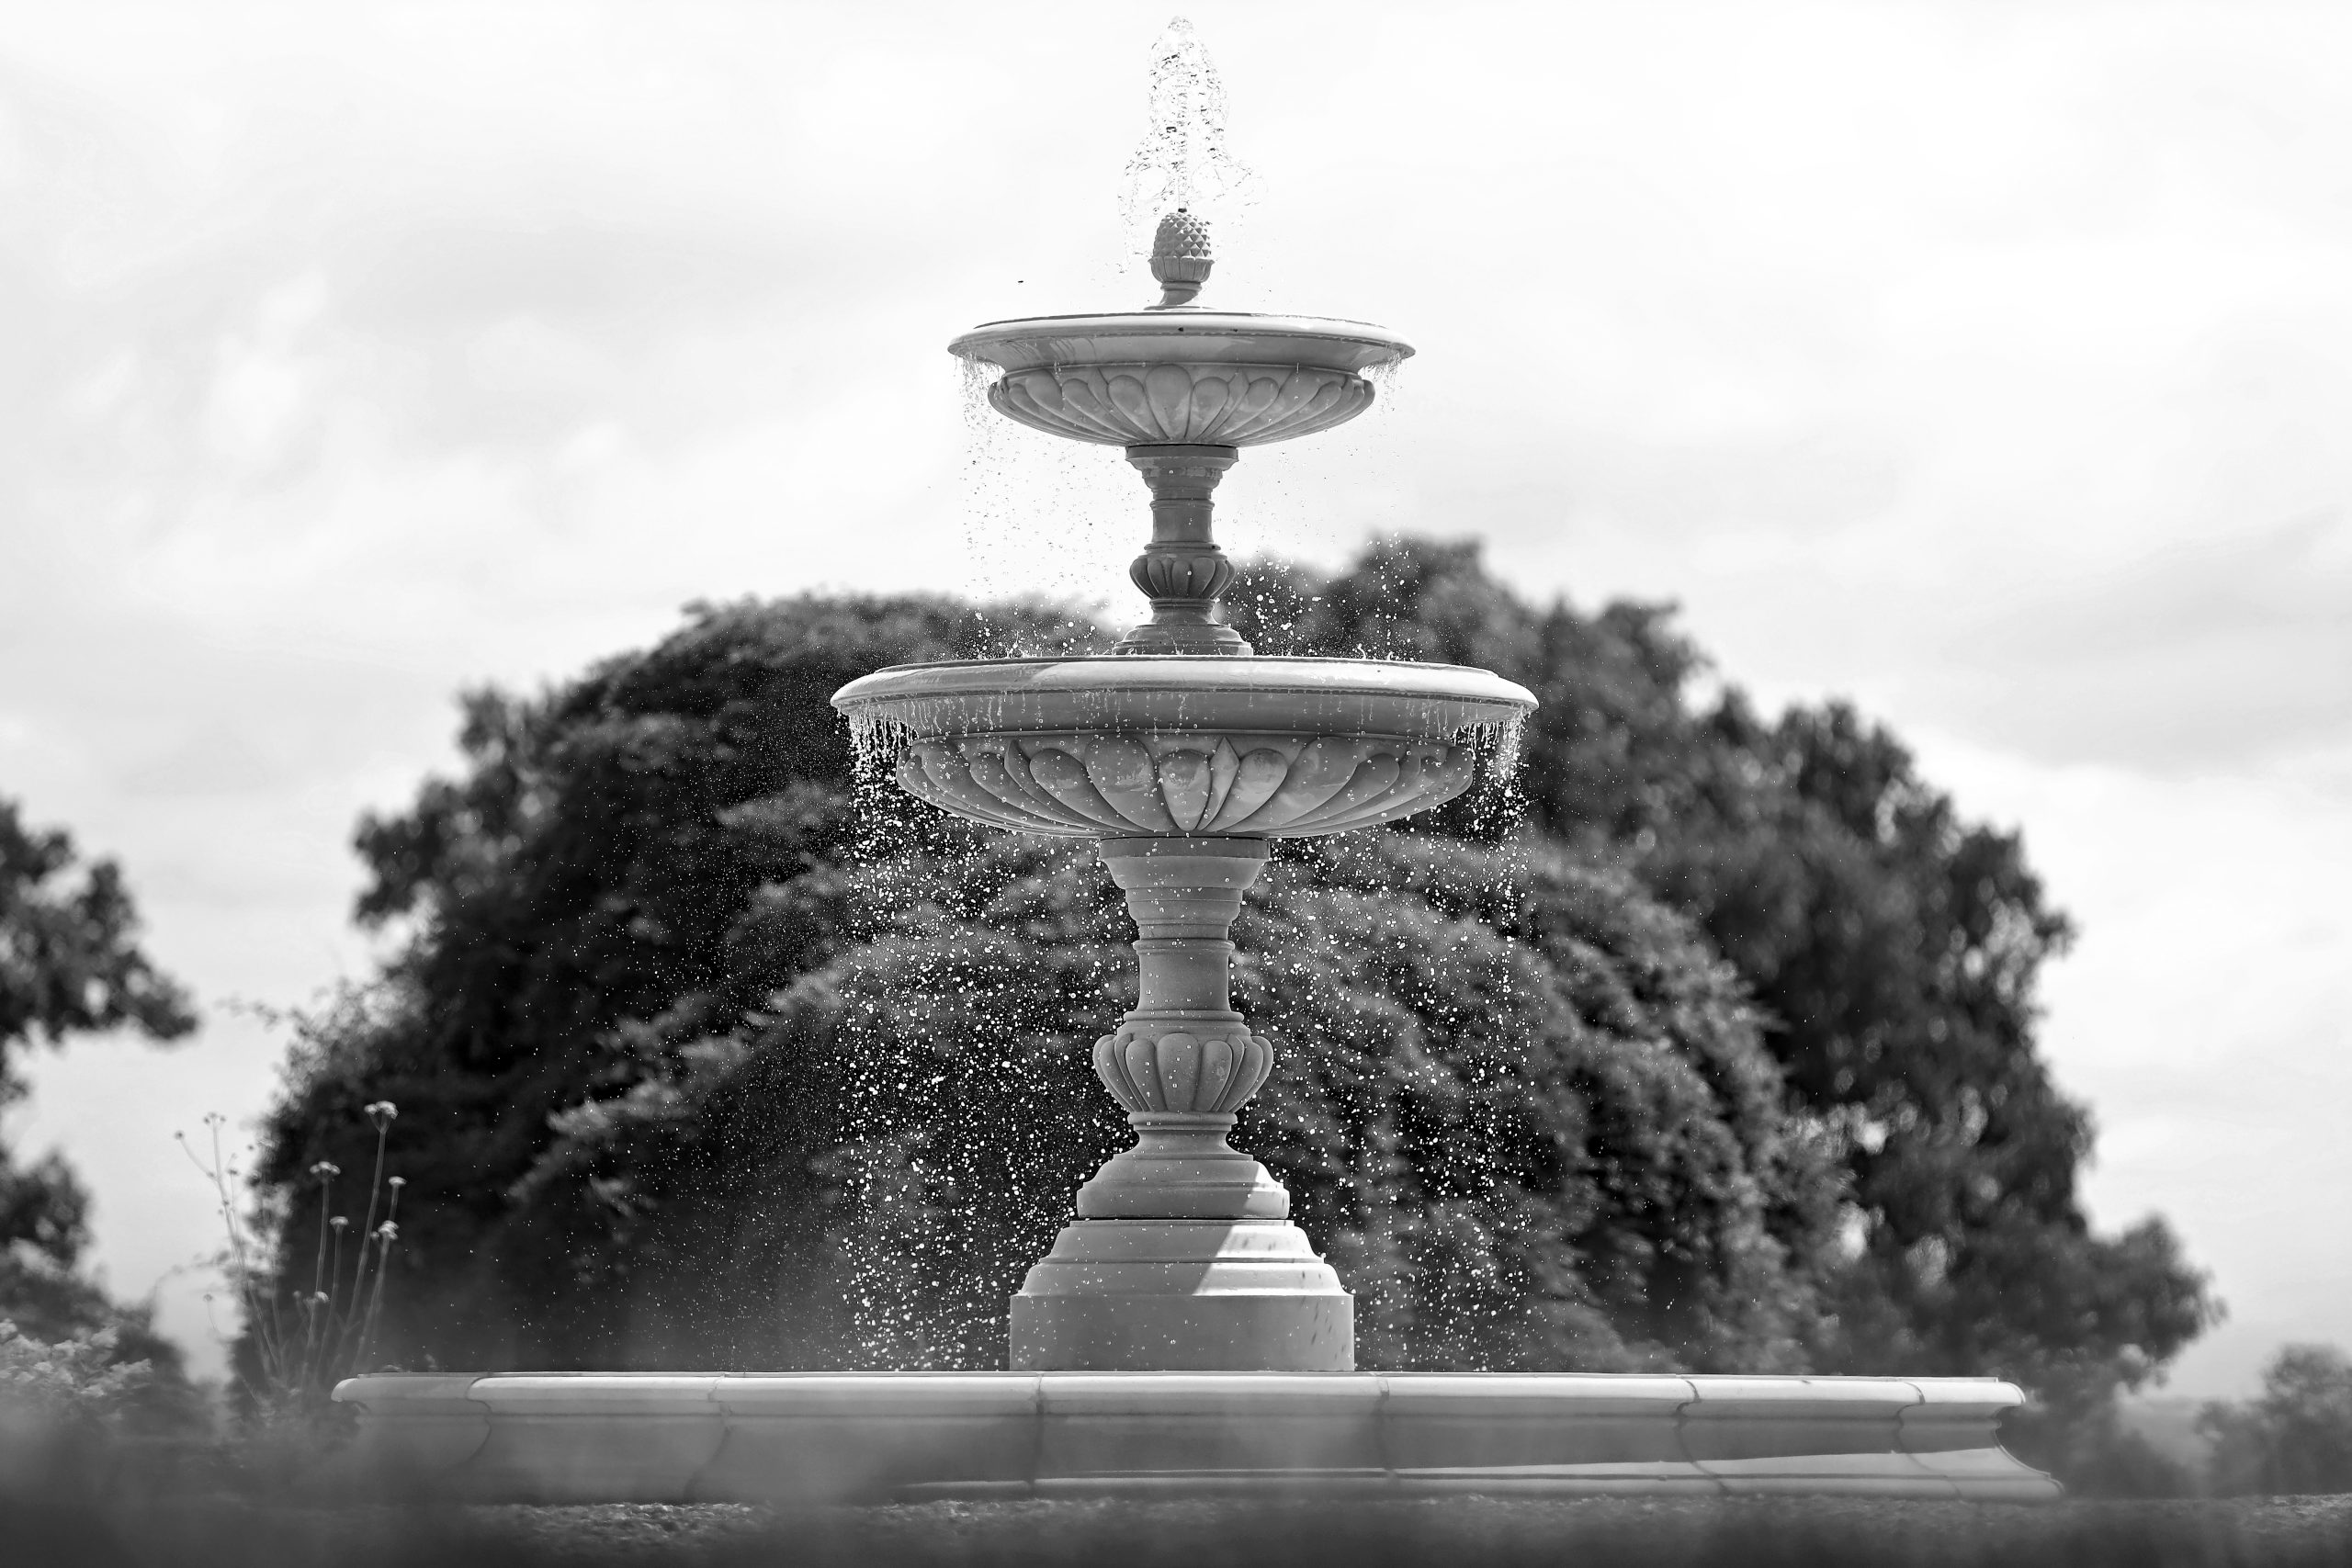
{"x":70,"y":964}
{"x":1721,"y":1057}
{"x":1893,"y":947}
{"x":2296,"y":1437}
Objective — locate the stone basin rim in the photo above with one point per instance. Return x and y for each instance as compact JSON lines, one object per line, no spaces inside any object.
{"x":1026,"y":342}
{"x":1170,"y":694}
{"x":1162,"y":674}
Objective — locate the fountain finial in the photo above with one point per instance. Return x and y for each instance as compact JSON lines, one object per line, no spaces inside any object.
{"x":1180,"y":258}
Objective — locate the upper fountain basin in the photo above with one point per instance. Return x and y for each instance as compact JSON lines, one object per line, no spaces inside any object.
{"x":1198,"y":378}
{"x":1177,"y":745}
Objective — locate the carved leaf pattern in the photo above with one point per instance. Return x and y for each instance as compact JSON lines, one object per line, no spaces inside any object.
{"x":1180,"y":1070}
{"x":1247,"y":785}
{"x":1218,"y":405}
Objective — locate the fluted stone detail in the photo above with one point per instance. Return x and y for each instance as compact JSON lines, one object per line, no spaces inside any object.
{"x":1207,"y":1071}
{"x":1077,"y":784}
{"x":1201,"y":572}
{"x":1197,"y":404}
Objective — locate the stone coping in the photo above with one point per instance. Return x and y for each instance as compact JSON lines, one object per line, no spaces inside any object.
{"x":1196,"y":336}
{"x":1186,"y":693}
{"x":844,"y":1437}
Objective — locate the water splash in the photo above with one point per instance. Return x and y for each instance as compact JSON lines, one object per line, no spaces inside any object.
{"x":877,"y":741}
{"x":1044,"y":518}
{"x":1387,"y":377}
{"x":977,"y":377}
{"x":1183,"y":159}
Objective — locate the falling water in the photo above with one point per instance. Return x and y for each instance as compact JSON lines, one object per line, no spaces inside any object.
{"x":1044,"y":518}
{"x":1183,"y":159}
{"x":1385,"y":379}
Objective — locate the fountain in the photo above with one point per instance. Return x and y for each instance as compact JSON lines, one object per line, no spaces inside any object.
{"x":1182,"y":754}
{"x":1183,"y":1335}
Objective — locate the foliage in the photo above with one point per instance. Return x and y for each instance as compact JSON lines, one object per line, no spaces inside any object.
{"x":1893,"y":947}
{"x":1523,"y":1110}
{"x":2099,"y":1450}
{"x":69,"y":959}
{"x":70,"y":964}
{"x":299,"y":1343}
{"x":683,"y":1017}
{"x":678,"y":1012}
{"x":80,"y":1378}
{"x":612,"y":848}
{"x":2297,"y":1437}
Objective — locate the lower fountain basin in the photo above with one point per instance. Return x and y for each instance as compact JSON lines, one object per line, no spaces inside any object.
{"x":873,"y":1436}
{"x":1172,"y":744}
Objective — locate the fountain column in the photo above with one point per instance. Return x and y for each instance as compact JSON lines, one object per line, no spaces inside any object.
{"x":1183,"y":571}
{"x":1184,"y":1258}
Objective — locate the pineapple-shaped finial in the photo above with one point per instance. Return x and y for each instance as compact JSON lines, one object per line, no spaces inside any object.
{"x":1180,"y":258}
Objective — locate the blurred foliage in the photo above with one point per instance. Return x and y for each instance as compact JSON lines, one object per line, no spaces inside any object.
{"x":81,"y":1378}
{"x":1521,"y":1109}
{"x":1892,"y":946}
{"x":1722,"y":1055}
{"x":70,"y":964}
{"x":2296,"y":1438}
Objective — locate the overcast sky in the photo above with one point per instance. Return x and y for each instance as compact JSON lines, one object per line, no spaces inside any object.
{"x":1988,"y":363}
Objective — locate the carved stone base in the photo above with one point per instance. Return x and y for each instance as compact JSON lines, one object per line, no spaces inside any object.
{"x":1181,"y":1167}
{"x":1182,"y":1296}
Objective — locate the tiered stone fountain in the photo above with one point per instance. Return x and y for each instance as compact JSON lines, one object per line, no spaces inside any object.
{"x":1182,"y":754}
{"x":1182,"y":1335}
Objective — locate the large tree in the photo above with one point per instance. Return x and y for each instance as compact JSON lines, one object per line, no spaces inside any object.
{"x":70,"y":964}
{"x":703,"y":1057}
{"x":1893,"y":947}
{"x":2296,"y":1438}
{"x":1722,"y":1055}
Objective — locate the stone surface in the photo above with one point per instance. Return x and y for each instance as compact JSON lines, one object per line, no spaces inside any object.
{"x":822,"y":1437}
{"x":1229,"y":339}
{"x":1162,"y":698}
{"x":1271,"y":784}
{"x":1183,"y":571}
{"x":1181,"y":1168}
{"x":1142,"y":402}
{"x":1181,"y":257}
{"x":1182,"y":1257}
{"x":1182,"y":1296}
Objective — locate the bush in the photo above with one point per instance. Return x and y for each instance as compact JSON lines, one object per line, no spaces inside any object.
{"x":2297,"y":1437}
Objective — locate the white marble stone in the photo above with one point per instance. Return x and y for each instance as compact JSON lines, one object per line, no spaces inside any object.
{"x":852,"y":1437}
{"x":1182,"y":1296}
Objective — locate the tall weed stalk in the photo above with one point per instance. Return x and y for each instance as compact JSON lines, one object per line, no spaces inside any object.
{"x":305,"y":1341}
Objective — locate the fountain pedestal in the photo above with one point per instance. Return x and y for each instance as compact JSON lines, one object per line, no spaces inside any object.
{"x":1182,"y":1257}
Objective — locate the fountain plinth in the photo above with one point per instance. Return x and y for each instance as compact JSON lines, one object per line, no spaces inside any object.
{"x":1158,"y":1350}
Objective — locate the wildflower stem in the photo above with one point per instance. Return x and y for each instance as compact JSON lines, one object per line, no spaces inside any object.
{"x":312,"y":1327}
{"x":375,"y":1182}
